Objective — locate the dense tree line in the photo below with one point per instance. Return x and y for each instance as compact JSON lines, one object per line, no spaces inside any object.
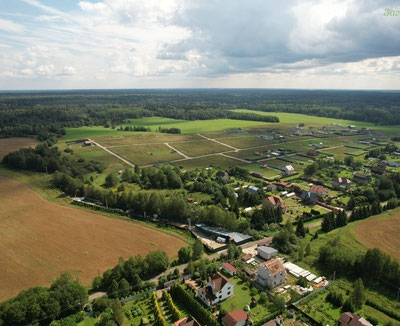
{"x":372,"y":266}
{"x":47,"y":114}
{"x":127,"y":275}
{"x":49,"y":159}
{"x":266,"y":216}
{"x":40,"y":305}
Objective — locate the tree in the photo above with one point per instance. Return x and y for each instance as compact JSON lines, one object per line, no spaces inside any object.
{"x":263,"y":298}
{"x":118,"y":312}
{"x":358,"y":298}
{"x":124,"y":288}
{"x":308,"y":249}
{"x":190,"y":268}
{"x":96,"y":283}
{"x":111,"y":180}
{"x":300,"y":229}
{"x":198,"y":249}
{"x":157,"y":262}
{"x":113,"y":289}
{"x":184,"y":254}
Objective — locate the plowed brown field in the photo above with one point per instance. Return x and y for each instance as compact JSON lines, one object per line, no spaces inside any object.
{"x":40,"y":239}
{"x":8,"y":145}
{"x":381,"y":231}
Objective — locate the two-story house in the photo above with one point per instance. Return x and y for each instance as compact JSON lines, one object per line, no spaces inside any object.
{"x":217,"y":289}
{"x":271,"y":273}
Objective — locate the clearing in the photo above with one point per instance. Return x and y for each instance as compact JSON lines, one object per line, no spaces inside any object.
{"x":8,"y":145}
{"x":381,"y":231}
{"x":40,"y":239}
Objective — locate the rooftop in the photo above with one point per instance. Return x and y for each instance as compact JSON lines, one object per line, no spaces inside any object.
{"x":273,"y":265}
{"x":229,"y":267}
{"x":234,"y":317}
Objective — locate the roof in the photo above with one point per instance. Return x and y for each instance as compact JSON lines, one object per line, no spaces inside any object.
{"x":247,"y":257}
{"x":308,"y":195}
{"x":350,"y":319}
{"x":234,"y":317}
{"x":252,"y":188}
{"x":187,"y":321}
{"x":274,"y":266}
{"x":275,"y":200}
{"x":342,"y":181}
{"x":288,"y":168}
{"x":219,"y":281}
{"x":267,"y":250}
{"x":229,"y":267}
{"x":318,"y":189}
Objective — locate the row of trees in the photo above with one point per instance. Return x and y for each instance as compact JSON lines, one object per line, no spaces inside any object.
{"x":372,"y":266}
{"x":41,"y":305}
{"x":49,"y":159}
{"x":127,"y":275}
{"x":332,"y":221}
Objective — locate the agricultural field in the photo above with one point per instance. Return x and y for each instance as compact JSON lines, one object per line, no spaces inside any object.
{"x":381,"y":231}
{"x":147,"y":154}
{"x":244,"y":141}
{"x":40,"y":239}
{"x":8,"y":145}
{"x":201,"y":147}
{"x":217,"y":161}
{"x":266,"y":172}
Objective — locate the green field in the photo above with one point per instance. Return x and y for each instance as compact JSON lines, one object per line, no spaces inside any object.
{"x":216,"y":161}
{"x":295,"y":118}
{"x":266,"y":172}
{"x":201,"y":147}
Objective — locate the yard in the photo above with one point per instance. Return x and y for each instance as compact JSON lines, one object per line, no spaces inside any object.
{"x":242,"y":297}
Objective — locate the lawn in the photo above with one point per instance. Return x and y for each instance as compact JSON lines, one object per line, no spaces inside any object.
{"x":266,"y":172}
{"x":242,"y":297}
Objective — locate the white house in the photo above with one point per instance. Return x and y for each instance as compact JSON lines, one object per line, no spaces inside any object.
{"x":217,"y":289}
{"x":288,"y":170}
{"x":271,"y":273}
{"x":228,"y":268}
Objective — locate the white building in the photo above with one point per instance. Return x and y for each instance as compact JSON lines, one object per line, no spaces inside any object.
{"x":217,"y":289}
{"x":271,"y":273}
{"x":288,"y":170}
{"x":266,"y":252}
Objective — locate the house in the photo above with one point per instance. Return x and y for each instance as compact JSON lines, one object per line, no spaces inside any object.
{"x":271,"y":187}
{"x":87,"y":143}
{"x":247,"y":257}
{"x":266,"y":252}
{"x":252,"y":189}
{"x":275,"y":322}
{"x":312,"y":152}
{"x":228,"y":268}
{"x":283,"y":186}
{"x":341,"y":183}
{"x":222,"y":175}
{"x":235,"y":318}
{"x":187,"y":321}
{"x":320,"y":191}
{"x":274,"y":202}
{"x":350,"y":319}
{"x":390,"y":164}
{"x":309,"y":197}
{"x":288,"y":170}
{"x":361,"y":178}
{"x":378,"y":170}
{"x":217,"y":289}
{"x":257,"y":175}
{"x":271,"y":273}
{"x":250,"y":273}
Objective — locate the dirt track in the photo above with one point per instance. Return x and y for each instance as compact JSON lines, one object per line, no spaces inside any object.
{"x":39,"y":239}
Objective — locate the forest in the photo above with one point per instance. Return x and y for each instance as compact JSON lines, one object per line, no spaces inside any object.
{"x":47,"y":114}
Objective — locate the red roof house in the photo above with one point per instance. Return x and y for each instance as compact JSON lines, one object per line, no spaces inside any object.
{"x":235,"y":318}
{"x":274,"y":202}
{"x":228,"y":268}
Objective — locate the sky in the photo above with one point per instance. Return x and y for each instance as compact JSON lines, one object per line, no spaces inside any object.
{"x":70,"y":44}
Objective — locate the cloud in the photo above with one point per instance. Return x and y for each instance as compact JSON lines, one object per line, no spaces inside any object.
{"x":132,"y":43}
{"x":10,"y":26}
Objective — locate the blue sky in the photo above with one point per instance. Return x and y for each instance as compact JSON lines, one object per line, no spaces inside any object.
{"x":58,"y":44}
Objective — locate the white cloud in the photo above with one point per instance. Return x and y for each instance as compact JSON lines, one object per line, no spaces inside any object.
{"x":10,"y":26}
